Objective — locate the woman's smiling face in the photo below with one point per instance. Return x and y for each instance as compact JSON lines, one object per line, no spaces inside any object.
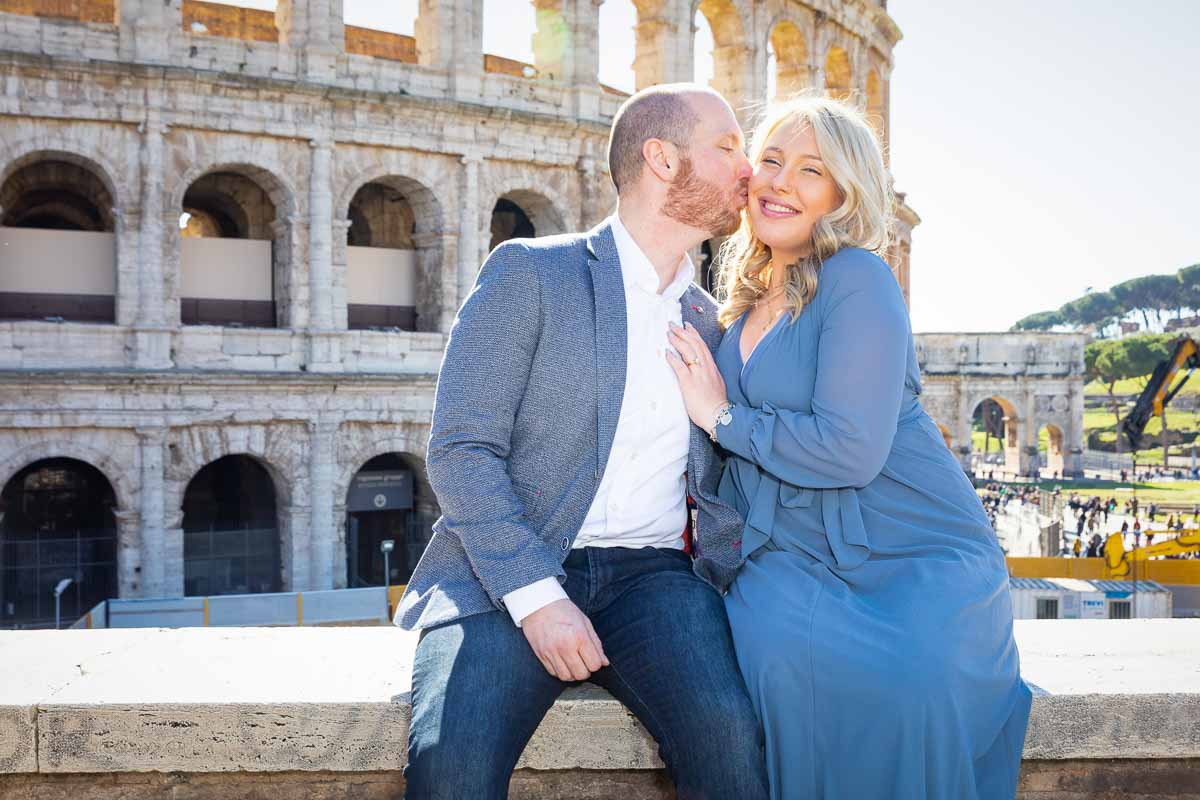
{"x":790,"y":190}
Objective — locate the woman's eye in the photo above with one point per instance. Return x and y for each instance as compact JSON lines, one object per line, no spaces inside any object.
{"x":770,"y":161}
{"x":813,"y":170}
{"x":727,"y":149}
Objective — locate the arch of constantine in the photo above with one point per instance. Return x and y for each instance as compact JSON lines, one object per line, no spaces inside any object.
{"x":234,"y":242}
{"x":1036,"y":379}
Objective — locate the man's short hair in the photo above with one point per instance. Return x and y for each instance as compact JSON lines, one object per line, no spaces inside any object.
{"x":656,"y":112}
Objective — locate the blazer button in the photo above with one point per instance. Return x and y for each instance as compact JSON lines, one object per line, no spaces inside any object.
{"x":566,"y":543}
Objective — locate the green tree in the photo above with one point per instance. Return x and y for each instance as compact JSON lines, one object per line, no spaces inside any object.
{"x":1097,"y":308}
{"x":1041,"y":321}
{"x":1189,"y":286}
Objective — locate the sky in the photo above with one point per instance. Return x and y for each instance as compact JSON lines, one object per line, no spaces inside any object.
{"x":1049,"y":146}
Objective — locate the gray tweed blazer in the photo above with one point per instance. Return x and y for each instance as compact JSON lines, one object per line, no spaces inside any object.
{"x":523,"y":421}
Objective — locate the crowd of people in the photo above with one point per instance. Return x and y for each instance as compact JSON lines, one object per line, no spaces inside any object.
{"x":1091,"y":513}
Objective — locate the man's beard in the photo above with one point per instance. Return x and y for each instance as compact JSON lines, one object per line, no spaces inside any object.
{"x":700,"y":204}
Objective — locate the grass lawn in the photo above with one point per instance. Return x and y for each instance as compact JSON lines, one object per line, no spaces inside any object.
{"x":1136,"y":385}
{"x":1186,"y":492}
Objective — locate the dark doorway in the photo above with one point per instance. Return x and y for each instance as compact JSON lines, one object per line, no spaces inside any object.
{"x":379,"y":506}
{"x":57,"y":522}
{"x":230,"y":530}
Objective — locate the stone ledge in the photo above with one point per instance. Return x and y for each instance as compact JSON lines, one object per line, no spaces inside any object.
{"x":259,"y":700}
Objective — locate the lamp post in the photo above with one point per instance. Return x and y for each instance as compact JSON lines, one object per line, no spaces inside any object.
{"x":58,"y":590}
{"x":386,"y":547}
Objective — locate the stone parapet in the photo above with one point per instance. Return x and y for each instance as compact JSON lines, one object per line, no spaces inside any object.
{"x":237,"y":712}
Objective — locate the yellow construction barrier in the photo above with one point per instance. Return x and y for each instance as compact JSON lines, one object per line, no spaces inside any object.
{"x":1176,"y":571}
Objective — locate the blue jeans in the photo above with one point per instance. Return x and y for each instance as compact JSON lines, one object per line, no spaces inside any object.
{"x":479,"y":692}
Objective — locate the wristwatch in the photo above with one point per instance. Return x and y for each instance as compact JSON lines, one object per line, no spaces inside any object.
{"x":723,"y":417}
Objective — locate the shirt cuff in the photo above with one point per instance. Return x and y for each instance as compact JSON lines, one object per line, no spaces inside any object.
{"x":528,"y":599}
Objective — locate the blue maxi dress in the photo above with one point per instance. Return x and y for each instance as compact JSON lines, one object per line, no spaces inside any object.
{"x":872,"y":616}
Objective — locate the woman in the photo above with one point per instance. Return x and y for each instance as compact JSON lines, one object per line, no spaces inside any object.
{"x":871,"y":615}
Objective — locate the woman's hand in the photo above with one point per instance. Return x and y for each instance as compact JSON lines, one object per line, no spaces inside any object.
{"x":701,"y":383}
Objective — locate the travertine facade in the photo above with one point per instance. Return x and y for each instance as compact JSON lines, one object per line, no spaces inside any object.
{"x":183,"y":136}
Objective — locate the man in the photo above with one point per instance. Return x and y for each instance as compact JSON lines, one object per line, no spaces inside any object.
{"x":562,"y":457}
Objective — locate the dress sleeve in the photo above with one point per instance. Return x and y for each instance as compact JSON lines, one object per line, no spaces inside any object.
{"x":861,"y":361}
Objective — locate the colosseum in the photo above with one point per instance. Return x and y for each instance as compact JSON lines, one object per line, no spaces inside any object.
{"x":232,"y":243}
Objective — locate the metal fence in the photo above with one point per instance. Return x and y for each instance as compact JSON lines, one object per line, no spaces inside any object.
{"x":368,"y":606}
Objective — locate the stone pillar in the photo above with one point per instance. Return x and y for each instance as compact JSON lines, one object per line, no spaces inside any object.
{"x":471,"y":228}
{"x":341,"y":267}
{"x":152,"y":336}
{"x":322,"y":533}
{"x":449,"y":37}
{"x":1029,"y":458}
{"x":320,"y":234}
{"x":732,"y":78}
{"x":150,"y":555}
{"x":664,"y":44}
{"x":126,"y":222}
{"x":565,"y":49}
{"x":129,"y":557}
{"x":314,"y":31}
{"x":148,"y":30}
{"x":1073,"y":442}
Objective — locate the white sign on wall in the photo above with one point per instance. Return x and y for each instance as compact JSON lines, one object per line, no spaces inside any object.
{"x":1093,"y":605}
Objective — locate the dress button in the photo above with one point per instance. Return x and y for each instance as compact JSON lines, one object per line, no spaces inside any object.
{"x":566,"y":543}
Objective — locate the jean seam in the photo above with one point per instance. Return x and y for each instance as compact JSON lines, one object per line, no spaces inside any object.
{"x":649,"y":711}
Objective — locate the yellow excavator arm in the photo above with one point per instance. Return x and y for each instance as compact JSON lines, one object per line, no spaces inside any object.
{"x":1117,"y":561}
{"x":1159,"y":390}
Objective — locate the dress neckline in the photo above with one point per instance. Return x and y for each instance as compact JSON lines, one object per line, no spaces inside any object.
{"x":746,"y":361}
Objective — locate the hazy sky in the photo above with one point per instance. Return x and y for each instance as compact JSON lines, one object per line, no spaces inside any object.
{"x":1048,"y":145}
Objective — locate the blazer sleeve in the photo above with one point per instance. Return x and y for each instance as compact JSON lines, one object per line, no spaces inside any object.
{"x":481,"y":384}
{"x":861,"y":360}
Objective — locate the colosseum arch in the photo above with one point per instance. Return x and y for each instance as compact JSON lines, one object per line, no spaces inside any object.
{"x":250,"y":168}
{"x":733,"y":57}
{"x":361,"y":445}
{"x":875,"y":107}
{"x":58,"y":202}
{"x":788,"y":65}
{"x":524,"y":213}
{"x":280,"y":448}
{"x":377,"y":191}
{"x":839,"y":77}
{"x":120,"y":476}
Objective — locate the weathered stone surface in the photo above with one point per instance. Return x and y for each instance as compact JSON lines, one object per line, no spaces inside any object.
{"x":1120,"y":779}
{"x":18,"y":739}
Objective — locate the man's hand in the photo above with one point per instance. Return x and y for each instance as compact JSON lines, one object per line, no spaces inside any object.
{"x":564,"y":641}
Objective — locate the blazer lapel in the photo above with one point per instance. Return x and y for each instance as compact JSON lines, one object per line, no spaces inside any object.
{"x":608,"y":294}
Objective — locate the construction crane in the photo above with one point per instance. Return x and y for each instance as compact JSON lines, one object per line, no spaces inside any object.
{"x":1159,"y":391}
{"x":1118,"y":562}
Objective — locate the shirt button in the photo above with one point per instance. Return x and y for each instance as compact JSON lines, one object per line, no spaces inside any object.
{"x":566,"y":543}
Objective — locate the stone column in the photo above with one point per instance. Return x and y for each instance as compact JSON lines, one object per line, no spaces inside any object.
{"x":470,"y":226}
{"x":152,"y":336}
{"x":664,"y":44}
{"x":313,"y":30}
{"x":129,"y":560}
{"x":341,"y":277}
{"x":1073,"y":442}
{"x":322,"y":533}
{"x":449,"y":37}
{"x":320,"y":235}
{"x":126,"y":222}
{"x":147,"y":30}
{"x":565,"y":49}
{"x":150,"y":553}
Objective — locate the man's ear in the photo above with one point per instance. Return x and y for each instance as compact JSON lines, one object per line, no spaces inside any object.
{"x":662,"y":159}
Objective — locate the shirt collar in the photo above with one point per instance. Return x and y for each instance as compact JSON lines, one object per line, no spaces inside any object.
{"x":636,"y":269}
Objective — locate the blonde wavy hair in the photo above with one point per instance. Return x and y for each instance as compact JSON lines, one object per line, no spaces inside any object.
{"x":864,"y":219}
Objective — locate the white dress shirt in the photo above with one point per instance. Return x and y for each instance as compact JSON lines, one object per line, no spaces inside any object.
{"x":642,"y":497}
